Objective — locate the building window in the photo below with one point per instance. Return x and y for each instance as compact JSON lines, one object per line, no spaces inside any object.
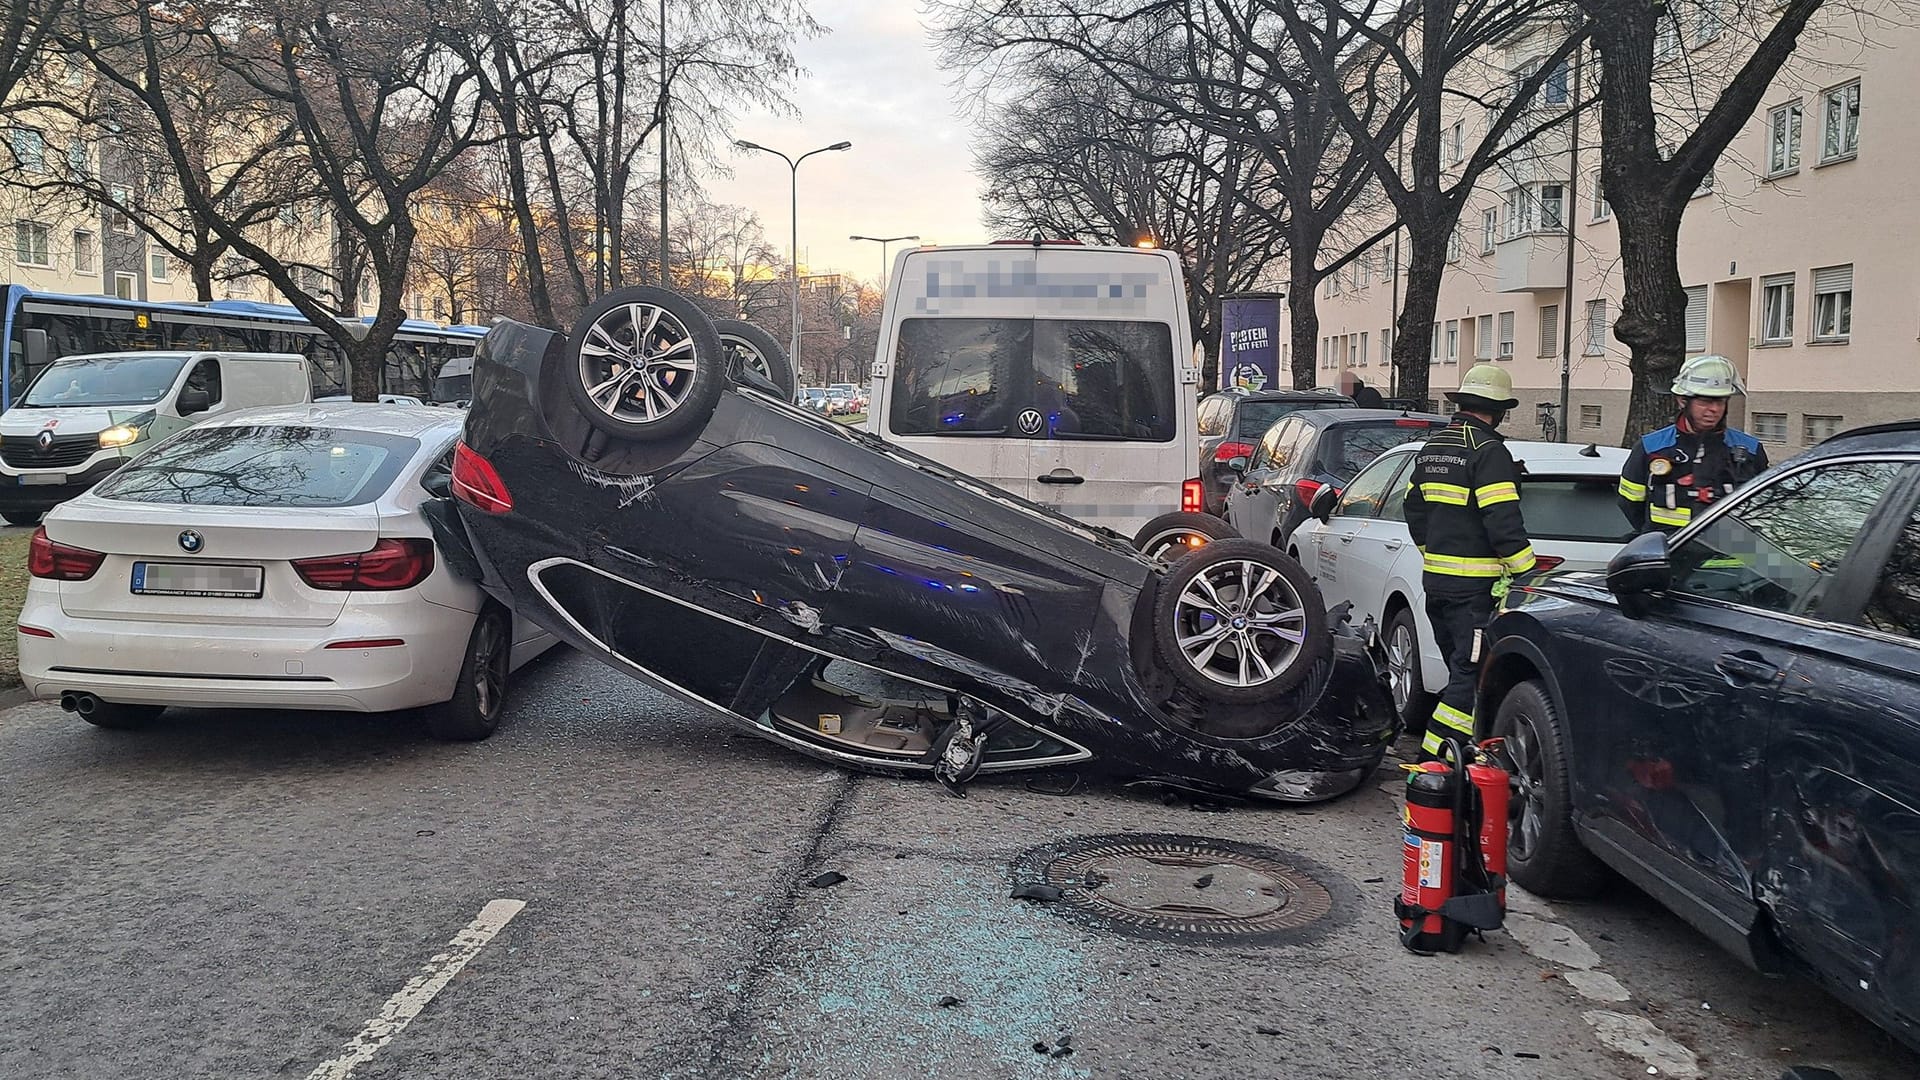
{"x":117,"y":218}
{"x":1489,"y":229}
{"x":1783,"y":139}
{"x":31,"y":240}
{"x":1506,"y":336}
{"x":1554,"y":90}
{"x":1453,"y":246}
{"x":75,"y":75}
{"x":1596,"y":327}
{"x":1386,"y":345}
{"x":1552,"y":198}
{"x":79,"y":163}
{"x":83,"y":245}
{"x":29,"y":149}
{"x":1840,"y":123}
{"x":1363,"y":348}
{"x":1435,"y":355}
{"x":1833,"y":303}
{"x":1365,"y":263}
{"x":1453,"y":341}
{"x":157,"y":265}
{"x":1776,"y":309}
{"x":1457,"y":141}
{"x":126,"y":286}
{"x":1666,"y":36}
{"x":1519,"y":212}
{"x":1590,"y":416}
{"x":1697,"y":319}
{"x":1597,"y":204}
{"x":1483,"y":338}
{"x":1815,"y":430}
{"x":439,"y":309}
{"x":1769,"y":426}
{"x":1550,"y":330}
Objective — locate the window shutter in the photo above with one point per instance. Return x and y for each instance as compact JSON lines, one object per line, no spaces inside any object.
{"x":1483,"y":338}
{"x":1549,"y":330}
{"x":1833,"y":279}
{"x":1697,"y":319}
{"x":1506,"y":333}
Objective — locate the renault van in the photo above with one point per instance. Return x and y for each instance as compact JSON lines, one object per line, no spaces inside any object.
{"x":1061,"y":373}
{"x":85,"y":416}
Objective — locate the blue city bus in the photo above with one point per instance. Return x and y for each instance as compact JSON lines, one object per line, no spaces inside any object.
{"x":40,"y":327}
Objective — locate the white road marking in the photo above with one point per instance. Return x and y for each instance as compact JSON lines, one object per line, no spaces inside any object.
{"x":1637,"y":1037}
{"x":1551,"y":941}
{"x":1597,"y":986}
{"x":402,"y":1007}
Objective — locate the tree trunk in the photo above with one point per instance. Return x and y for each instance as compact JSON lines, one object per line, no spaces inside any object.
{"x":1653,"y":306}
{"x":364,"y":361}
{"x":1303,"y":319}
{"x":201,"y":267}
{"x":1413,"y":329}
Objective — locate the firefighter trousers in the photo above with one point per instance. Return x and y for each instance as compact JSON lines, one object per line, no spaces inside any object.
{"x":1459,"y":611}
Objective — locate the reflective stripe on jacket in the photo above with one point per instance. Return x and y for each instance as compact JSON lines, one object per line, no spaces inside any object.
{"x":1673,"y":472}
{"x":1463,"y":504}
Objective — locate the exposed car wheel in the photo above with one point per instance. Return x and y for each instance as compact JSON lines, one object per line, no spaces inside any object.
{"x":478,"y":698}
{"x":1401,"y":646}
{"x":646,"y":364}
{"x":1239,"y":622}
{"x":117,"y":716}
{"x":1543,"y":853}
{"x":758,"y":352}
{"x":21,"y":517}
{"x":1169,"y":537}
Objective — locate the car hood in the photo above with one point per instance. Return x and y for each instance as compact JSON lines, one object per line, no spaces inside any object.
{"x":69,"y":419}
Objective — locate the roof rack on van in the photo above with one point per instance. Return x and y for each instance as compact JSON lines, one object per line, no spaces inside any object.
{"x":1041,"y":241}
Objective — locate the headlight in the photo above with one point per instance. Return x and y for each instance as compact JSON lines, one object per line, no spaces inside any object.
{"x":121,"y":435}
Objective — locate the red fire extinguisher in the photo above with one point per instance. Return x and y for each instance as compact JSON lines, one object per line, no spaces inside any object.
{"x":1454,"y":859}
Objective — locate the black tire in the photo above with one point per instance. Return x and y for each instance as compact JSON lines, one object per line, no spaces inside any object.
{"x":756,"y":349}
{"x":1544,"y":854}
{"x":22,"y":517}
{"x":676,"y":395}
{"x":1178,"y":529}
{"x":1222,"y":675}
{"x":1416,"y":708}
{"x":480,"y":696}
{"x":117,"y":716}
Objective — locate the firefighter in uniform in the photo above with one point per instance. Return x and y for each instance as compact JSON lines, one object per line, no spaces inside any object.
{"x":1688,"y":464}
{"x":1463,"y":510}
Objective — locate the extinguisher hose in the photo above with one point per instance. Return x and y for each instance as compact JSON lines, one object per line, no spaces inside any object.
{"x":1469,"y":815}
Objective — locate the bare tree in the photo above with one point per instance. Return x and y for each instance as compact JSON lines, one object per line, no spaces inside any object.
{"x":24,"y":37}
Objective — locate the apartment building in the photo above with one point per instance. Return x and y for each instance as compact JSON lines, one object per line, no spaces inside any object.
{"x":1812,"y":201}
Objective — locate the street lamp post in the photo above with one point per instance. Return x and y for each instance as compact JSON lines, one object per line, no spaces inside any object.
{"x":793,"y":168}
{"x":883,"y":241}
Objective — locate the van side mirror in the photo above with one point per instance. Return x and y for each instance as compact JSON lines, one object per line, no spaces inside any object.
{"x":1324,"y":500}
{"x":1238,"y":465}
{"x":194,"y":401}
{"x":34,"y":343}
{"x":1638,"y":572}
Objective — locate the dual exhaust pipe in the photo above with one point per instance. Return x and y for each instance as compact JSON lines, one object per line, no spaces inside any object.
{"x":84,"y":704}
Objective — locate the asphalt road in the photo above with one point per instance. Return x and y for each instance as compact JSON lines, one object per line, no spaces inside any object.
{"x":233,"y":895}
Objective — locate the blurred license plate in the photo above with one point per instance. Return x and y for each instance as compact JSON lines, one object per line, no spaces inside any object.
{"x":43,"y":478}
{"x":197,"y":579}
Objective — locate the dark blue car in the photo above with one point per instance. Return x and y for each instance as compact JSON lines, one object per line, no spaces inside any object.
{"x":1730,"y":718}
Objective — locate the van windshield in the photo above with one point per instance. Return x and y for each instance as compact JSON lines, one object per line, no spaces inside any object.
{"x":104,"y":380}
{"x":1035,"y":378}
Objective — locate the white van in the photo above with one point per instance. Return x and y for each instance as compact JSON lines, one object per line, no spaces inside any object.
{"x":1061,"y":373}
{"x":85,"y":416}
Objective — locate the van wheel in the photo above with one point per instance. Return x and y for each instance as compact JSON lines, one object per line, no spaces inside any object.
{"x":646,"y":364}
{"x":755,"y":350}
{"x":1240,"y":623}
{"x":21,"y":517}
{"x":1169,"y":537}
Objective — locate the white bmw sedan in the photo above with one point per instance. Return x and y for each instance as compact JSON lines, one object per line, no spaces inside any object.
{"x":275,"y":558}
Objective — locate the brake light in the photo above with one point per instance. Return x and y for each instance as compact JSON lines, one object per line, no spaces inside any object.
{"x":477,"y":483}
{"x":34,"y":631}
{"x":1230,"y":450}
{"x":367,"y":643}
{"x":1547,"y":562}
{"x":388,"y":565}
{"x":1306,"y":489}
{"x":1191,"y":500}
{"x":1409,"y":422}
{"x":59,"y":562}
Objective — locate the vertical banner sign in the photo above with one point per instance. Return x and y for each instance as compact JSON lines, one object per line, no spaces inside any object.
{"x":1250,"y":342}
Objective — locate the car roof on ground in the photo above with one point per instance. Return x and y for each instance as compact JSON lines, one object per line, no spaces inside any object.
{"x":414,"y":421}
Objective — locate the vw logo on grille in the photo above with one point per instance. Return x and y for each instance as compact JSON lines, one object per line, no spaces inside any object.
{"x":1030,"y":421}
{"x":45,"y":439}
{"x":190,"y":541}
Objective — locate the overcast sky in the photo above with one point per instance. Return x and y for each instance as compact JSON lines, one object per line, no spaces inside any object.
{"x":870,"y":80}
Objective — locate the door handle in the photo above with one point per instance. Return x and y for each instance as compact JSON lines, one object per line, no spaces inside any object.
{"x":1062,"y":476}
{"x":1347,"y":539}
{"x":1395,"y":545}
{"x":1745,"y":669}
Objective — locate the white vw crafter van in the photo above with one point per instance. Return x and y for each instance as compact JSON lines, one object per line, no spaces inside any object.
{"x":85,"y":416}
{"x":1061,"y":373}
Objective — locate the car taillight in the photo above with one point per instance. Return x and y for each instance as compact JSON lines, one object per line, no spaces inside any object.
{"x":1306,"y":489}
{"x":1408,"y":422}
{"x":1191,"y":501}
{"x":1546,"y":562}
{"x":58,"y":562}
{"x":389,"y":564}
{"x":1230,"y":450}
{"x":477,"y":483}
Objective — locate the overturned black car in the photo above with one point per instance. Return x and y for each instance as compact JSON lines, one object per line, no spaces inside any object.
{"x":642,"y":493}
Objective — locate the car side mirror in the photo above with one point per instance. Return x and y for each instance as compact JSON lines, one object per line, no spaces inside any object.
{"x":438,"y":484}
{"x":1238,"y":465}
{"x":1324,"y":500}
{"x":1639,"y":571}
{"x":194,"y":401}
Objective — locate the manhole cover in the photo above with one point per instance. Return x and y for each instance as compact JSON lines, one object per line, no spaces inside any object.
{"x":1185,"y":887}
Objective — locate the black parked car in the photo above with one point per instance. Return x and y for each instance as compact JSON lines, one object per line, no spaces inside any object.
{"x":684,"y":522}
{"x":1231,"y":423}
{"x":1730,"y":718}
{"x":1307,"y":451}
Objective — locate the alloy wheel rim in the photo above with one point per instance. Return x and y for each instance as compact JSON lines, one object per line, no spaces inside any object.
{"x":489,"y":669}
{"x":1239,"y":623}
{"x":1528,"y":816}
{"x":750,"y":357}
{"x":1400,"y":667}
{"x":637,"y":362}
